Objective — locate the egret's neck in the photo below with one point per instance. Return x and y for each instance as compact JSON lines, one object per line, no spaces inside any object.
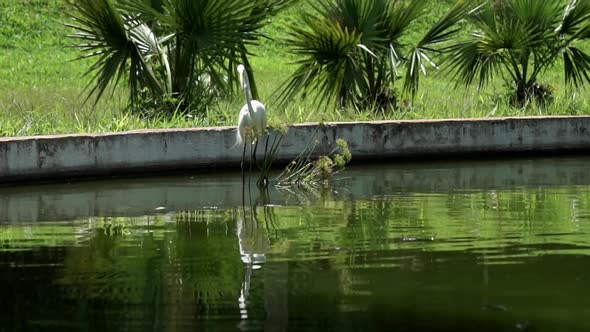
{"x":248,"y":94}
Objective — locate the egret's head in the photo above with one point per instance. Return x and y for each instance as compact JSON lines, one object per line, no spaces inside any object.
{"x":243,"y":77}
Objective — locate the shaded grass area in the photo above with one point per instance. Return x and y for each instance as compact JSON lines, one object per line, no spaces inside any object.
{"x":42,"y":87}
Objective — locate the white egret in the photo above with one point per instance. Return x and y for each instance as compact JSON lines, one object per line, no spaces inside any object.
{"x":252,"y":123}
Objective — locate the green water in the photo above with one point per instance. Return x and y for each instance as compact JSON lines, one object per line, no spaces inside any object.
{"x":463,"y":246}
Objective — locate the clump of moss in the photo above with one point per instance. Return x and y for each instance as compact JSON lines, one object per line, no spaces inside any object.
{"x":307,"y":171}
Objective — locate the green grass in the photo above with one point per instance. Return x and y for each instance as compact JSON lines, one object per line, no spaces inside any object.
{"x":43,"y":88}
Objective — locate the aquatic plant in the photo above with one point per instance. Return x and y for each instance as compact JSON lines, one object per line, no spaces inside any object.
{"x":271,"y":149}
{"x":308,"y":171}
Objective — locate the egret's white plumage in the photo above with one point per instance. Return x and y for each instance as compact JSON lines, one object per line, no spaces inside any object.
{"x":252,"y":122}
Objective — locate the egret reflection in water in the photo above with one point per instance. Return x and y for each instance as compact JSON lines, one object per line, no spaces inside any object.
{"x":253,"y":244}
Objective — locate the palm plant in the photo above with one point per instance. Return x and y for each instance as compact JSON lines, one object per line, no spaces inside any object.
{"x":352,"y":51}
{"x":184,"y":51}
{"x":519,"y":40}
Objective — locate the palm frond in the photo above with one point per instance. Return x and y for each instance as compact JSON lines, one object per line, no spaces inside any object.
{"x":327,"y":66}
{"x":399,"y":17}
{"x":576,"y":66}
{"x":469,"y":64}
{"x":147,"y":10}
{"x":363,"y":17}
{"x":422,"y":55}
{"x":542,"y":16}
{"x":104,"y":32}
{"x":576,"y":20}
{"x":218,"y":32}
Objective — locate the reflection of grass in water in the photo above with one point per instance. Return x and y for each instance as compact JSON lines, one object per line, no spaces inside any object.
{"x":496,"y":220}
{"x":28,"y":236}
{"x":167,"y":259}
{"x":57,"y":234}
{"x":487,"y":216}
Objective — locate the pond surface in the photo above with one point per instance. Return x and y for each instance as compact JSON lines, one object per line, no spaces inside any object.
{"x":456,"y":246}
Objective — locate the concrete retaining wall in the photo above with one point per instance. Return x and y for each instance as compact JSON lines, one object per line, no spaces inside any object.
{"x":70,"y":156}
